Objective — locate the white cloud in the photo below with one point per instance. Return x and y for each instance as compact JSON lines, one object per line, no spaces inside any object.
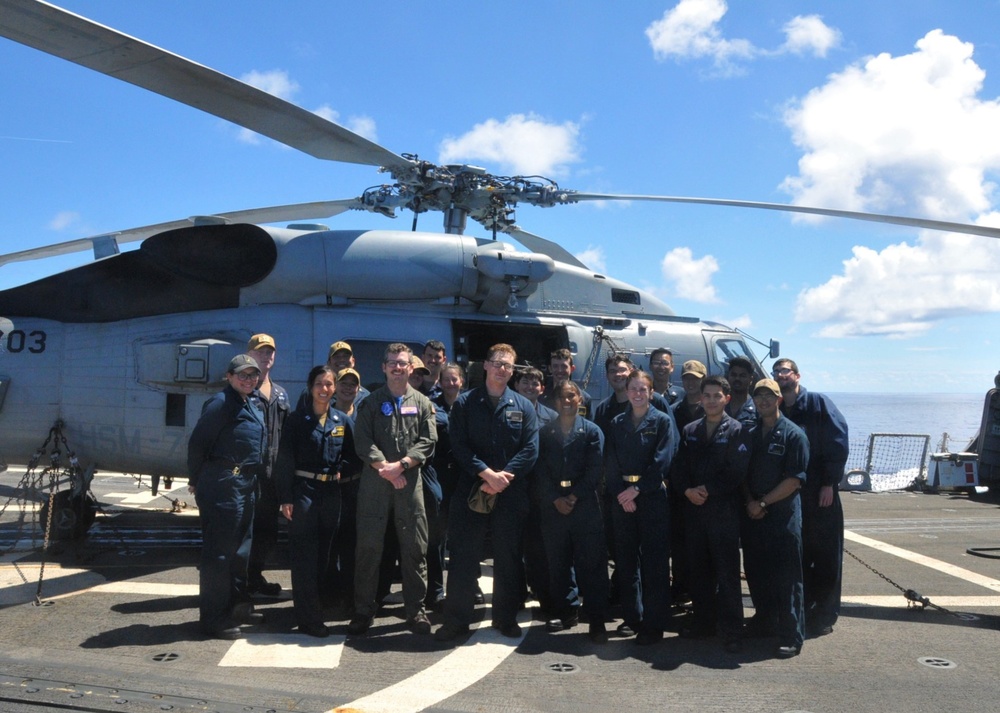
{"x":904,"y":289}
{"x":362,"y":125}
{"x":809,"y":34}
{"x":594,"y":258}
{"x":64,"y":220}
{"x":691,"y":30}
{"x":899,"y":134}
{"x":689,"y":278}
{"x":521,"y":143}
{"x":276,"y":82}
{"x":906,"y":135}
{"x":742,"y":322}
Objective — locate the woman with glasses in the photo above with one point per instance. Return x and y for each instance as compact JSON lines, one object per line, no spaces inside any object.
{"x":640,"y":446}
{"x":226,"y":452}
{"x":317,"y":451}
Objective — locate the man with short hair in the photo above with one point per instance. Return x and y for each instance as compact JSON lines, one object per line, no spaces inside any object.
{"x":418,"y":374}
{"x":435,"y":356}
{"x":689,"y":408}
{"x":561,"y":368}
{"x":273,"y":402}
{"x":494,"y":437}
{"x":708,"y":473}
{"x":739,"y":373}
{"x":346,"y":393}
{"x":530,"y":383}
{"x":341,"y":356}
{"x":771,"y":530}
{"x":822,"y":512}
{"x":661,"y":366}
{"x":395,"y":435}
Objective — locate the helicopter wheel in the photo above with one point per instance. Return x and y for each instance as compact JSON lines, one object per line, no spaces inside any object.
{"x":71,"y":516}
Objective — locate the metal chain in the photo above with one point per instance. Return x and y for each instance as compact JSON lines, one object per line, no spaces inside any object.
{"x":599,"y":336}
{"x":913,"y":598}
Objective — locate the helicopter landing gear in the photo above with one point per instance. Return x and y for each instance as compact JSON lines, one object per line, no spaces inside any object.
{"x":72,"y":515}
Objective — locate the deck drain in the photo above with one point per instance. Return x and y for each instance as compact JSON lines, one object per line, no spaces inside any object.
{"x":166,"y":657}
{"x":562,"y":667}
{"x":935,"y":662}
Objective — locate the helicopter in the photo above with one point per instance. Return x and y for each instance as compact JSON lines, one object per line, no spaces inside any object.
{"x":123,"y":351}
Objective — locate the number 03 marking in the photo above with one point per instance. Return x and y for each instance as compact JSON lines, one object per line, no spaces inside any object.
{"x":16,"y":341}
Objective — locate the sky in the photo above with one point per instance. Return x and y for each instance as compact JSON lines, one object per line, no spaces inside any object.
{"x":852,"y":105}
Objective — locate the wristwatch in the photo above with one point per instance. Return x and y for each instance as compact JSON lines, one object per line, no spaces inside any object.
{"x":763,"y":505}
{"x":405,"y":462}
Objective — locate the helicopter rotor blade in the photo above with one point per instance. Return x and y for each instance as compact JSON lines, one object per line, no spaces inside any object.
{"x":272,"y":214}
{"x":63,"y":34}
{"x":538,"y":244}
{"x":941,"y":225}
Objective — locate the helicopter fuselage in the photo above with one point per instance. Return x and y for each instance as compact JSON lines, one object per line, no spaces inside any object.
{"x":124,"y":351}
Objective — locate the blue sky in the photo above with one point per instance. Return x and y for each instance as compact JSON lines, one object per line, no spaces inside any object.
{"x":854,"y":105}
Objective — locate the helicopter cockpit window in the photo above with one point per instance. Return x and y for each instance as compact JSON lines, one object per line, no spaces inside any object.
{"x":726,"y":349}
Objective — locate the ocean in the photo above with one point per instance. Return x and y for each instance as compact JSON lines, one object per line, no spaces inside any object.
{"x":958,"y":415}
{"x":896,"y":462}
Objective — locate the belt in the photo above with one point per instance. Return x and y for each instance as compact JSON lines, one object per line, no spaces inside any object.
{"x":354,"y":477}
{"x":565,"y":483}
{"x":236,"y":468}
{"x":631,"y":478}
{"x":321,"y":477}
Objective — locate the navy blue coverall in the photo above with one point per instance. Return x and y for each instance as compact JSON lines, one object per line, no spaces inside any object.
{"x":311,"y":455}
{"x":822,"y":528}
{"x":712,"y":529}
{"x":226,"y":452}
{"x":571,"y":464}
{"x":265,"y":519}
{"x":642,"y":538}
{"x":772,"y":545}
{"x":502,"y":437}
{"x":536,"y":562}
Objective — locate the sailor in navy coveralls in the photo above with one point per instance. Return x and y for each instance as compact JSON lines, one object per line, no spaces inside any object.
{"x":772,"y":526}
{"x":317,"y":451}
{"x":640,"y":446}
{"x":226,"y":452}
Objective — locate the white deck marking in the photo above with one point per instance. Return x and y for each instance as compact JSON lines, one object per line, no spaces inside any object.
{"x":144,"y":497}
{"x":291,"y":650}
{"x":899,"y":601}
{"x":56,"y":583}
{"x":936,"y":564}
{"x":472,"y":661}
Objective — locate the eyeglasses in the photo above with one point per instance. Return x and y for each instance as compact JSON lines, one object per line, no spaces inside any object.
{"x":248,"y":375}
{"x":401,"y":364}
{"x":501,"y":365}
{"x":781,"y":372}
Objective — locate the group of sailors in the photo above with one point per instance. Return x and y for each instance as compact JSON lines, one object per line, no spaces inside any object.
{"x":667,"y":485}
